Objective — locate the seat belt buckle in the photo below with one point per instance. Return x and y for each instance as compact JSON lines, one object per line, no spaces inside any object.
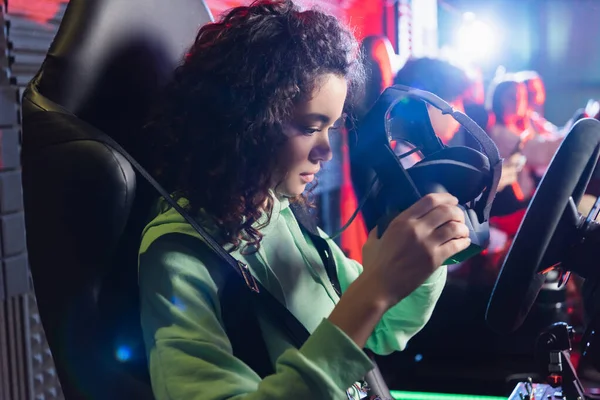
{"x":248,"y":277}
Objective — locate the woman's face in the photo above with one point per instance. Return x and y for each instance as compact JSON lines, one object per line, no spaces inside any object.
{"x":514,"y":102}
{"x":307,"y":146}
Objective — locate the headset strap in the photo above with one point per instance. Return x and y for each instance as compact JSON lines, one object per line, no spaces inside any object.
{"x":482,"y":206}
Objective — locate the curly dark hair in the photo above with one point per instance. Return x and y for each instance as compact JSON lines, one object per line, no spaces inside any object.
{"x":220,"y":122}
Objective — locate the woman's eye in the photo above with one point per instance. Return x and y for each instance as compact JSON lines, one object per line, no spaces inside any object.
{"x":310,"y":131}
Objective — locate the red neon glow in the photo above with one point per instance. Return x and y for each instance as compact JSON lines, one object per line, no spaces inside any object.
{"x":554,"y":380}
{"x":41,"y":11}
{"x":522,"y":100}
{"x":509,"y":224}
{"x":536,"y":86}
{"x":518,"y":191}
{"x":551,"y":268}
{"x":381,"y":54}
{"x":491,"y":120}
{"x":364,"y":17}
{"x":355,"y":236}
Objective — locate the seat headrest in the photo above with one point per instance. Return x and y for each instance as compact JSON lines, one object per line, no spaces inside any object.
{"x":111,"y":53}
{"x":381,"y":66}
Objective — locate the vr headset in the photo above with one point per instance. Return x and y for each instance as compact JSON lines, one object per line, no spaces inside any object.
{"x":386,"y":188}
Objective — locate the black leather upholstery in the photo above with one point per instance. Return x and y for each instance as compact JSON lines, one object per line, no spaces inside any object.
{"x":84,"y":211}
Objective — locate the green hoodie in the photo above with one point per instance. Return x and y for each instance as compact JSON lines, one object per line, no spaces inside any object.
{"x":189,"y":354}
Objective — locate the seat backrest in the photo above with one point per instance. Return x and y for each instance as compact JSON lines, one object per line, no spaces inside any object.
{"x":84,"y":207}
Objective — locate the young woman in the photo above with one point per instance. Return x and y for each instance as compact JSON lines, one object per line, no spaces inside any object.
{"x":243,"y":130}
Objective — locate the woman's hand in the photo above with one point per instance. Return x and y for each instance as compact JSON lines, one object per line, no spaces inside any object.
{"x":511,"y":167}
{"x":413,"y":246}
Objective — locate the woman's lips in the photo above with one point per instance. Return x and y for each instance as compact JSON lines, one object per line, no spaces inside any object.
{"x":307,"y":177}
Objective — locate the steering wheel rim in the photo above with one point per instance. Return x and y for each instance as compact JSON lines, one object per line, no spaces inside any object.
{"x":567,"y":177}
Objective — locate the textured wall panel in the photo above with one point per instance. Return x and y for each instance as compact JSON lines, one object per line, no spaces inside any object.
{"x":27,"y":372}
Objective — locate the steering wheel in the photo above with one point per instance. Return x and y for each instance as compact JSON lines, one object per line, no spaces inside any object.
{"x":552,"y":231}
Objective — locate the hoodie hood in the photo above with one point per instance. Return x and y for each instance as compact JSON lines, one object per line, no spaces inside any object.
{"x":167,"y":220}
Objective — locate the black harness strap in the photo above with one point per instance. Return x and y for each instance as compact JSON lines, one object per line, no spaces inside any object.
{"x":309,"y":225}
{"x":239,"y":307}
{"x":241,"y":322}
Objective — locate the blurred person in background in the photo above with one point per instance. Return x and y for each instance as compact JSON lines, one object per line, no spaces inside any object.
{"x":443,"y":79}
{"x":519,"y":144}
{"x":536,"y":100}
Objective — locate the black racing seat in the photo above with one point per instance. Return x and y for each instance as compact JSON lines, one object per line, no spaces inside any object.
{"x":84,"y":207}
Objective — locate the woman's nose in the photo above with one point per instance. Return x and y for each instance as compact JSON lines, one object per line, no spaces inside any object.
{"x":322,"y":150}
